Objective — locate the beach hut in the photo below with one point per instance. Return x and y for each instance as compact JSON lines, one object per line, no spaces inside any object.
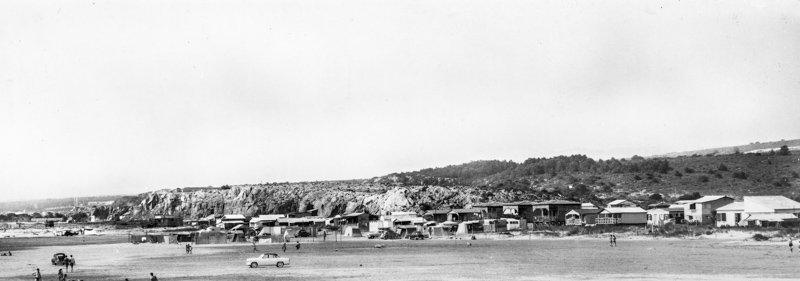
{"x":657,"y":217}
{"x":436,"y":215}
{"x":628,"y":215}
{"x":581,"y":217}
{"x":468,"y":227}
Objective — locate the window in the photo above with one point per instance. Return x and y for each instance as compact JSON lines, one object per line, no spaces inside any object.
{"x":692,"y":206}
{"x":737,"y":217}
{"x":690,"y":218}
{"x":649,"y":217}
{"x":724,"y":217}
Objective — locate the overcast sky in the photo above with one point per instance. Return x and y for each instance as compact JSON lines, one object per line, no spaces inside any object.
{"x":123,"y":97}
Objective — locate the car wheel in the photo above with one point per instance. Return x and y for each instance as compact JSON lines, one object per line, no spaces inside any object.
{"x":279,"y":264}
{"x":253,"y":265}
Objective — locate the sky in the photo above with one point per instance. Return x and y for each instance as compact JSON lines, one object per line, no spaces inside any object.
{"x":125,"y":97}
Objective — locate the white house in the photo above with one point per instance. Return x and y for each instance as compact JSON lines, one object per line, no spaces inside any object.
{"x":704,"y":210}
{"x":731,"y":214}
{"x":759,"y":211}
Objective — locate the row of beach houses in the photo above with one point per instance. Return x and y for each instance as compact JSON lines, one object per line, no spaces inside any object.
{"x":716,"y":210}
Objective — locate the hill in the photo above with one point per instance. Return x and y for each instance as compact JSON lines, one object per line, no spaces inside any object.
{"x":753,"y":147}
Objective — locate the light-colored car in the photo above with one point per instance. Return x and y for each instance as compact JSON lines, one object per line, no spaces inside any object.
{"x":267,"y":259}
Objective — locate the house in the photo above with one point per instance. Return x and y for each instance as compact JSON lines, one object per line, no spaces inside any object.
{"x":465,"y":215}
{"x":582,"y":216}
{"x":359,"y":220}
{"x":265,"y":220}
{"x":759,"y":211}
{"x":657,"y":217}
{"x":731,"y":214}
{"x":704,"y":209}
{"x":168,"y":221}
{"x":436,"y":215}
{"x":621,"y":204}
{"x":548,"y":212}
{"x":625,"y":215}
{"x":231,"y":221}
{"x":491,"y":210}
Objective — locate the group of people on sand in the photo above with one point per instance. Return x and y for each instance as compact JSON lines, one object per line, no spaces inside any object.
{"x":69,"y":265}
{"x":4,"y":254}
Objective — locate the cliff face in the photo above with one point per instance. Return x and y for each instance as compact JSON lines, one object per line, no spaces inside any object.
{"x":329,"y":198}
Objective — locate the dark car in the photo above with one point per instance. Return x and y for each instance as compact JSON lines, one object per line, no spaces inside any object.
{"x":302,"y":233}
{"x":59,"y":259}
{"x":416,"y":235}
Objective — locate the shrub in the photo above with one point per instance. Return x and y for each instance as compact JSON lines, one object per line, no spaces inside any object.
{"x":759,"y":237}
{"x":722,"y":167}
{"x":688,"y":170}
{"x":703,"y":179}
{"x":739,"y":175}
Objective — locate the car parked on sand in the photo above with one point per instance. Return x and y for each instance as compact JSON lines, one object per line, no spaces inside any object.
{"x":59,"y":259}
{"x":267,"y":259}
{"x":416,"y":235}
{"x":302,"y":233}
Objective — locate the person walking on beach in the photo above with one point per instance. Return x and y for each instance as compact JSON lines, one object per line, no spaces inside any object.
{"x":614,"y":239}
{"x":284,"y":247}
{"x":60,"y":275}
{"x":611,"y":240}
{"x":153,"y":277}
{"x":37,"y":275}
{"x":71,"y":263}
{"x":791,"y":249}
{"x":324,"y":235}
{"x":297,"y":246}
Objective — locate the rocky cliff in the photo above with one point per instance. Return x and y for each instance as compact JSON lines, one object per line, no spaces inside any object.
{"x":329,"y":198}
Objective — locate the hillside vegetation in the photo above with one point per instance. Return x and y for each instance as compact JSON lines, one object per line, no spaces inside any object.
{"x":578,"y":177}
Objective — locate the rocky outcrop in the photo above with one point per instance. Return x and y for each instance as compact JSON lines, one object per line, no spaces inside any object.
{"x":329,"y":198}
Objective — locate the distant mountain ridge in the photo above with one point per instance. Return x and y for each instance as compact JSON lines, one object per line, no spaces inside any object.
{"x":745,"y":148}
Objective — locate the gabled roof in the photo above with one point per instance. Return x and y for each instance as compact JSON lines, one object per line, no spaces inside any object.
{"x":710,"y":198}
{"x":588,"y":206}
{"x":462,"y":211}
{"x":267,"y":218}
{"x":625,"y":210}
{"x":735,"y":206}
{"x":658,"y":211}
{"x":773,"y":202}
{"x":618,"y":201}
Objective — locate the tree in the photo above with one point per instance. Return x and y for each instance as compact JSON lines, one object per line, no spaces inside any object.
{"x":784,"y":150}
{"x":36,"y":215}
{"x":722,"y":167}
{"x":656,"y":197}
{"x":736,"y":151}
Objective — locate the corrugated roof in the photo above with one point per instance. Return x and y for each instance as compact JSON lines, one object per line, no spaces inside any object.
{"x":735,"y":206}
{"x":233,"y":217}
{"x":710,"y":198}
{"x":625,"y":210}
{"x":771,"y":217}
{"x":617,"y":201}
{"x":461,"y":211}
{"x":773,"y":202}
